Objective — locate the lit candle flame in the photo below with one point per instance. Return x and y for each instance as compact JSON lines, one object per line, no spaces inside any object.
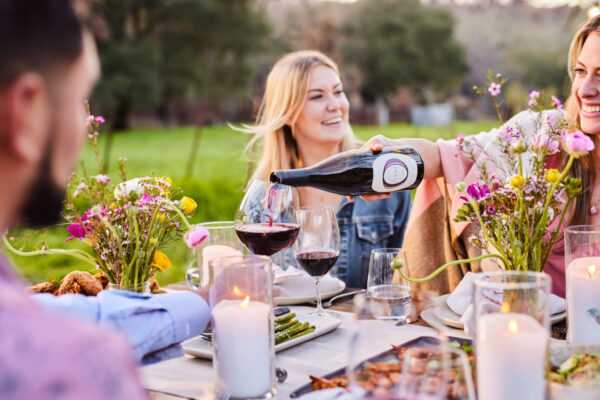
{"x":237,"y":292}
{"x":245,"y":302}
{"x":592,"y":270}
{"x":505,"y":307}
{"x":513,"y":327}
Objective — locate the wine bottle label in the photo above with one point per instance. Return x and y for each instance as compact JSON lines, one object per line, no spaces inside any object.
{"x":393,"y":172}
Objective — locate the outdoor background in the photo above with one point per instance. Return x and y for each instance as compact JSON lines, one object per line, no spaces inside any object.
{"x":176,"y":73}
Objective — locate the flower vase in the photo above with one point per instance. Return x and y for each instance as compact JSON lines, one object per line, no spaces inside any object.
{"x":142,"y":288}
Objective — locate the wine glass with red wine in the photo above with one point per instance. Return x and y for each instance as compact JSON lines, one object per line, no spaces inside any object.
{"x":265,"y":222}
{"x":318,"y":245}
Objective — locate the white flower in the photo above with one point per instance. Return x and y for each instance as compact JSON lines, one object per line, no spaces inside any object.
{"x":80,"y":188}
{"x":125,"y":189}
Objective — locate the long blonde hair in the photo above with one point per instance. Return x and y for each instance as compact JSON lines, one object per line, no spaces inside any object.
{"x":584,"y":167}
{"x":286,"y":92}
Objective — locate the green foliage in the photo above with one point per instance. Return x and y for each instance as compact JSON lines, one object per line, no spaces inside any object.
{"x":157,"y":53}
{"x":216,"y":185}
{"x":401,"y":43}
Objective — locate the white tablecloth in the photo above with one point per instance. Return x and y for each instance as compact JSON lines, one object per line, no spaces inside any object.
{"x":192,"y":378}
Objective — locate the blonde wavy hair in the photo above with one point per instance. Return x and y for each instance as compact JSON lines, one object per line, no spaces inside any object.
{"x":285,"y":93}
{"x":584,"y":167}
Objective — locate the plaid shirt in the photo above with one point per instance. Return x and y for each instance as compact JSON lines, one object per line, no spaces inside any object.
{"x":44,"y":355}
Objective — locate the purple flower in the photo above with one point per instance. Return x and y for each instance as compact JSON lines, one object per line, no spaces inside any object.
{"x":99,"y":119}
{"x":576,"y":143}
{"x":534,"y":95}
{"x":510,"y":134}
{"x":557,"y":103}
{"x":196,"y":236}
{"x":495,"y":89}
{"x":477,"y":191}
{"x":76,"y":230}
{"x":145,"y":199}
{"x":542,"y":141}
{"x":490,"y":210}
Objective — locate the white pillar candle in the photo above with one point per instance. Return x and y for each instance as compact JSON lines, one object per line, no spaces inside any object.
{"x":511,"y":355}
{"x":244,"y":347}
{"x":583,"y":294}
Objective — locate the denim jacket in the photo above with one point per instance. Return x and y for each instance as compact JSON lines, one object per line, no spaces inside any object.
{"x":364,"y":226}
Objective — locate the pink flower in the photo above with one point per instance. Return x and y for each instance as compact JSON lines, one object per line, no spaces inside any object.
{"x":99,"y":119}
{"x":534,"y":95}
{"x":495,"y":89}
{"x":542,"y":141}
{"x":76,"y":230}
{"x":196,"y":236}
{"x":557,"y":103}
{"x":477,"y":191}
{"x":103,"y":179}
{"x":576,"y":143}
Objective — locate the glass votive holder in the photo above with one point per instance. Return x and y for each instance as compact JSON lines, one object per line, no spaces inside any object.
{"x":222,"y":242}
{"x":512,"y":334}
{"x":242,"y":307}
{"x":582,"y":260}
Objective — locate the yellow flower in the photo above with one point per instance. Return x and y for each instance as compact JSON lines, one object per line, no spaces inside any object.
{"x":188,"y":205}
{"x":161,"y":261}
{"x":161,"y":217}
{"x":517,"y":181}
{"x":169,"y":181}
{"x":552,"y":175}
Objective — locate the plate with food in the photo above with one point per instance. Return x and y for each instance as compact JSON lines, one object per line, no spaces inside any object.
{"x":384,"y":367}
{"x":574,"y":372}
{"x":292,"y":327}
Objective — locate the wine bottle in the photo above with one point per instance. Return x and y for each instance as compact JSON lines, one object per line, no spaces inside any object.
{"x":358,"y":173}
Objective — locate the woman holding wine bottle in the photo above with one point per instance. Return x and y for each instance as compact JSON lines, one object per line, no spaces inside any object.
{"x":433,"y":238}
{"x":304,"y":119}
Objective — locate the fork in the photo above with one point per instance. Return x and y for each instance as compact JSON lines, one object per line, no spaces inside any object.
{"x":330,"y":302}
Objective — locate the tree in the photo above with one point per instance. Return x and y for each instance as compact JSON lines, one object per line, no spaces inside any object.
{"x":400,"y":43}
{"x":158,"y":52}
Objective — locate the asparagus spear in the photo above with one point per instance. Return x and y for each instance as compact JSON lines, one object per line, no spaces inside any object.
{"x":292,"y":332}
{"x":285,"y":318}
{"x":285,"y":326}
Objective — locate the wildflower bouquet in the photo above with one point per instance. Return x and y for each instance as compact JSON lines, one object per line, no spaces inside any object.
{"x":524,"y":192}
{"x":125,"y":225}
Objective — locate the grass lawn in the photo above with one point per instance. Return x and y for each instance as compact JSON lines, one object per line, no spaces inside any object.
{"x":219,"y":175}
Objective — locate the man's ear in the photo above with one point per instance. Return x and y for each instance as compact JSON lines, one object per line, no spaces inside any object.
{"x":24,"y":118}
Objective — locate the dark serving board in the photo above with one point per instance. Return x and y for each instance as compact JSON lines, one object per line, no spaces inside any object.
{"x":422,"y":341}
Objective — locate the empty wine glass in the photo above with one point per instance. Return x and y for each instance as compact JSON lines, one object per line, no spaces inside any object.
{"x":265,"y":221}
{"x":318,"y":245}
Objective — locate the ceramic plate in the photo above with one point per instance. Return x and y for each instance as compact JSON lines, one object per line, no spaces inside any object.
{"x":301,"y":289}
{"x":450,"y":318}
{"x":201,"y":348}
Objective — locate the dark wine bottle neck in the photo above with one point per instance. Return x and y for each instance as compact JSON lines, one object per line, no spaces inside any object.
{"x":291,"y":177}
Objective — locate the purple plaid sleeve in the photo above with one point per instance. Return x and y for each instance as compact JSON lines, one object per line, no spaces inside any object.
{"x":47,"y":356}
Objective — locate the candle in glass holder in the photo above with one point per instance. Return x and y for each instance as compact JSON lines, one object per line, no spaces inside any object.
{"x":243,"y":352}
{"x":511,"y":356}
{"x":583,"y":297}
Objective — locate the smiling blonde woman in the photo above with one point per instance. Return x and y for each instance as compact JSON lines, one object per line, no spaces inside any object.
{"x":303,"y":119}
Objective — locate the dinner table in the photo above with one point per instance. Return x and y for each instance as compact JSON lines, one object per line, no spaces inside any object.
{"x":187,"y":377}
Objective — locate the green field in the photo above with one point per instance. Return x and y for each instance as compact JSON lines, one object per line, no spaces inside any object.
{"x":219,"y":175}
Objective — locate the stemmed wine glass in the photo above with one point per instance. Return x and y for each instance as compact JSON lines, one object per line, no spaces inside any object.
{"x":265,"y":221}
{"x":318,"y":245}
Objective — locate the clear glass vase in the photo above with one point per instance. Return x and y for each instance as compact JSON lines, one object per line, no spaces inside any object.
{"x":142,"y":288}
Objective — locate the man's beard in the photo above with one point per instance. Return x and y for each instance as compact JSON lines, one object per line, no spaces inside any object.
{"x":44,"y":203}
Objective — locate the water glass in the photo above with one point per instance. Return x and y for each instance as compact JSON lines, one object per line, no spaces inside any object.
{"x":222,"y":241}
{"x":242,"y":309}
{"x":512,"y":334}
{"x":386,"y":286}
{"x":582,"y":258}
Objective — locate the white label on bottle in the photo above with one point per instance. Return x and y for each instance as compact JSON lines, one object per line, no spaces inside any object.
{"x":393,"y":172}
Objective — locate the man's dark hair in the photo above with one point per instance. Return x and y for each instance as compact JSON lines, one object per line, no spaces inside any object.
{"x":38,"y":36}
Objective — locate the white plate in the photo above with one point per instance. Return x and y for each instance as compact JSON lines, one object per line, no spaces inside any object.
{"x":450,"y":318}
{"x":301,"y":289}
{"x":428,"y":315}
{"x":201,"y":348}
